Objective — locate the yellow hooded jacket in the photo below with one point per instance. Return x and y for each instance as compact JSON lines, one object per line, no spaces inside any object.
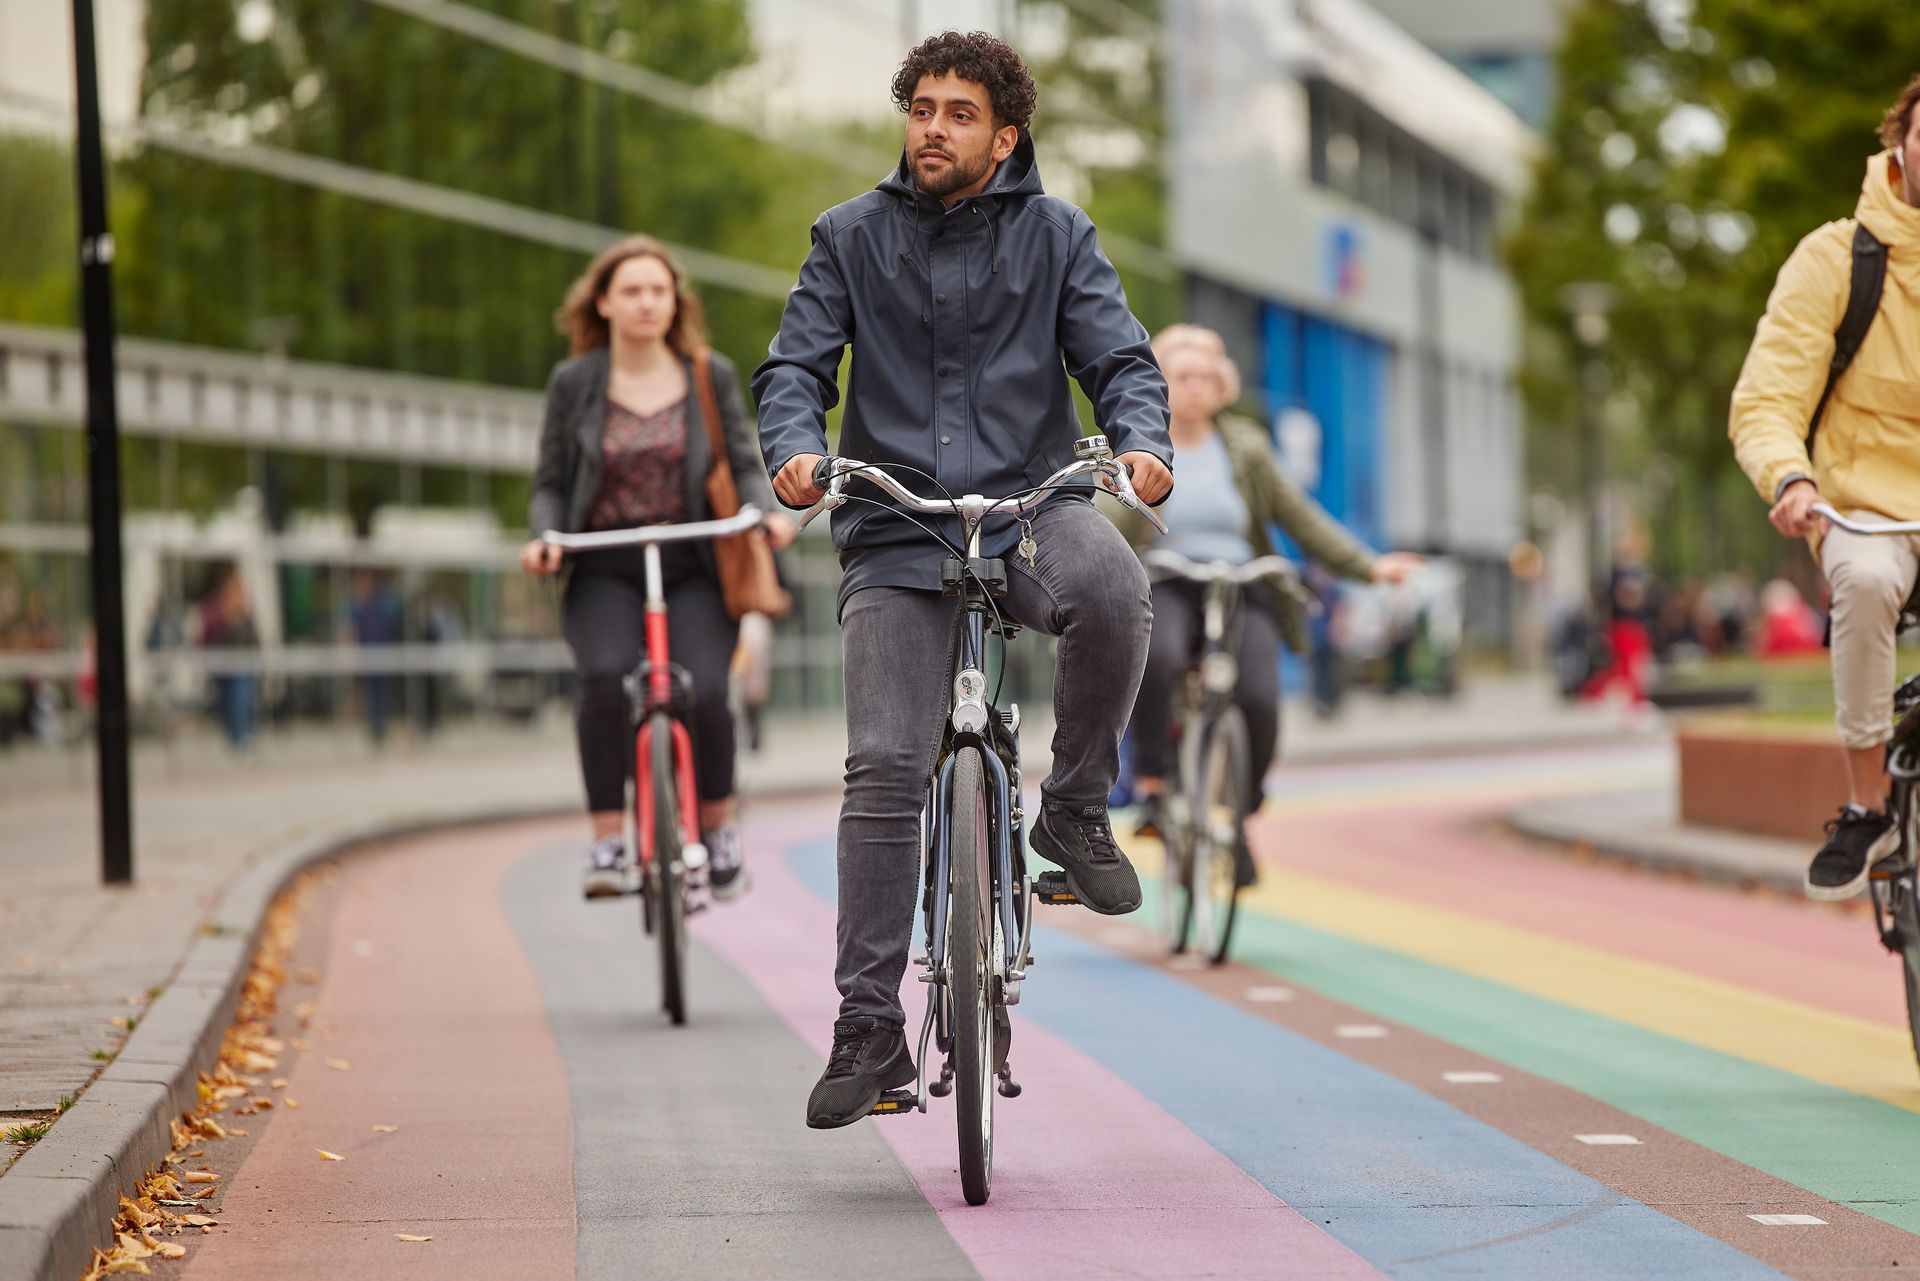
{"x":1867,"y":454}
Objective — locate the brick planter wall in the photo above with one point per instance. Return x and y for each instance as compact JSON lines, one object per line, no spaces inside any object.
{"x":1773,"y":782}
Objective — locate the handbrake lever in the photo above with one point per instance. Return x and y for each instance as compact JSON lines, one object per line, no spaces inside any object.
{"x":826,"y":477}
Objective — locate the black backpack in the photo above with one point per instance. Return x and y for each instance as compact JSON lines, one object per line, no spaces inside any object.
{"x":1863,"y":303}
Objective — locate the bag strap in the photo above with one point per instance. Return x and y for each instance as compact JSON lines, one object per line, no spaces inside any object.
{"x":1863,"y":304}
{"x":710,"y":412}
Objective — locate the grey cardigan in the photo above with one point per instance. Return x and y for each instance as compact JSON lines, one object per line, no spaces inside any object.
{"x":567,"y":476}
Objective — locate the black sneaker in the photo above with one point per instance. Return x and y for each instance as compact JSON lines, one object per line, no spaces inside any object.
{"x":606,"y":875}
{"x":1856,"y":840}
{"x":726,"y":863}
{"x":868,"y":1059}
{"x":1149,"y":814}
{"x":1080,"y":840}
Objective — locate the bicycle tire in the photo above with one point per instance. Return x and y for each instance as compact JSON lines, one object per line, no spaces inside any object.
{"x":1219,"y":815}
{"x":968,"y":974}
{"x":668,"y":872}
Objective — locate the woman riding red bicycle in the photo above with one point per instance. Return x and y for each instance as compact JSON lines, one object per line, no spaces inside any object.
{"x":625,"y":444}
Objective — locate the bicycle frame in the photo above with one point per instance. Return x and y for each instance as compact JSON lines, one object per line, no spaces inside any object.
{"x":657,"y":696}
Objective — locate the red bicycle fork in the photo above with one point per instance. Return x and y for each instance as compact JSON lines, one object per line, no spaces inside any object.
{"x":660,"y":699}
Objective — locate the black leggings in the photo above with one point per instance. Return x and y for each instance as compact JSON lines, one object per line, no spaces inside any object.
{"x":1178,"y":633}
{"x":604,"y":618}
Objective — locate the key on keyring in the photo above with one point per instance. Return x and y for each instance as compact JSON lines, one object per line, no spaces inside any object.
{"x":1027,"y":546}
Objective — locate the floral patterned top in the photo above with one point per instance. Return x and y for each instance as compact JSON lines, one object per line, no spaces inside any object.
{"x":643,"y":469}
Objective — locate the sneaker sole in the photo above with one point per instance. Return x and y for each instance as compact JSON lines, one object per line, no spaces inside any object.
{"x":740,"y":884}
{"x":604,"y":885}
{"x":901,"y":1081}
{"x":1841,"y":893}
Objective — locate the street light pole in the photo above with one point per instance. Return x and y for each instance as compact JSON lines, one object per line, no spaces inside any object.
{"x":103,"y":465}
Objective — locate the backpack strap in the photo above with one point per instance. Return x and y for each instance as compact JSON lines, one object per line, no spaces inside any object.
{"x":1863,"y":304}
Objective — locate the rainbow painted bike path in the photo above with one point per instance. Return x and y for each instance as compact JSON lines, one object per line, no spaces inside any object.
{"x":1439,"y":1052}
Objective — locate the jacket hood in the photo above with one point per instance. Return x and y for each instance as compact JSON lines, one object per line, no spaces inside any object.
{"x":1018,"y":175}
{"x":1883,"y":210}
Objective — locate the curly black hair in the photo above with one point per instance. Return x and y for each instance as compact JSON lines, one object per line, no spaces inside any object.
{"x":978,"y":56}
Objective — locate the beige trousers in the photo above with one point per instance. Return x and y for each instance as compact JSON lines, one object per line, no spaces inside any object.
{"x":1871,"y":579}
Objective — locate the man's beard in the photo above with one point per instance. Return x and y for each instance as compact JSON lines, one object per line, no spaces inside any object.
{"x":960,"y":173}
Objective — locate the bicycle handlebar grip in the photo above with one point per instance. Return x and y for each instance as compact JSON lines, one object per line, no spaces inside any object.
{"x":823,"y":472}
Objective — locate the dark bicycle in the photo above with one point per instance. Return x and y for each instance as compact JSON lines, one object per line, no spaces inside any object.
{"x":1894,"y":884}
{"x":977,"y":899}
{"x":1203,"y":823}
{"x":663,"y":810}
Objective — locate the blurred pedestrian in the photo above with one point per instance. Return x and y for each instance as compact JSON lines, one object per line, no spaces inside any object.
{"x":1788,"y":625}
{"x":376,"y":621}
{"x":1826,"y":412}
{"x":625,"y":445}
{"x":226,"y":625}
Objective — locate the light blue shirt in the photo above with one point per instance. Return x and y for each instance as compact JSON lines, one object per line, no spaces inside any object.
{"x":1206,"y":517}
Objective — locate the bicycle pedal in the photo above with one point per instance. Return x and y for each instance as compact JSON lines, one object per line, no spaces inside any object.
{"x":895,"y":1102}
{"x":1052,"y":888}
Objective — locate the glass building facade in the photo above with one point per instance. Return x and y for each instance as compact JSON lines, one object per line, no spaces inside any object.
{"x":342,"y":232}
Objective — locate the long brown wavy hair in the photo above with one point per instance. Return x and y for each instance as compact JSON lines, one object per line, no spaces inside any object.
{"x":581,"y":324}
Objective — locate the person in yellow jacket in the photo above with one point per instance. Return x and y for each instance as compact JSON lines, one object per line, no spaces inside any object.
{"x":1866,"y":463}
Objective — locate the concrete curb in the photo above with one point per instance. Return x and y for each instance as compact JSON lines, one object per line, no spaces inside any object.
{"x":58,"y":1200}
{"x":1617,"y":823}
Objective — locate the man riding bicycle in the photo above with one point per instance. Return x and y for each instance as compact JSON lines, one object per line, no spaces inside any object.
{"x":960,"y":285}
{"x":1808,"y":428}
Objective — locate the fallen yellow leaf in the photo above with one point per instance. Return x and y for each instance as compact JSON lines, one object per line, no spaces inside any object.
{"x":135,"y":1215}
{"x":168,"y":1250}
{"x":211,"y":1128}
{"x":385,"y":1129}
{"x":291,"y":1103}
{"x":200,"y":1176}
{"x":329,"y":1156}
{"x":207,"y":1191}
{"x":196,"y":1220}
{"x":338,"y":1065}
{"x":408,"y":1236}
{"x":279,"y":1083}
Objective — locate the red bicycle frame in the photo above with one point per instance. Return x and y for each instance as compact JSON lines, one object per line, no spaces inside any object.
{"x":659,"y":698}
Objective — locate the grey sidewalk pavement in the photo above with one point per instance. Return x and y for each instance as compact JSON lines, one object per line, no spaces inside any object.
{"x":1644,"y":825}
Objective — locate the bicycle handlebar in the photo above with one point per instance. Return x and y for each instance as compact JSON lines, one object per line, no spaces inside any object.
{"x":1164,"y":563}
{"x":1095,"y":459}
{"x":748,"y":517}
{"x":1866,"y":527}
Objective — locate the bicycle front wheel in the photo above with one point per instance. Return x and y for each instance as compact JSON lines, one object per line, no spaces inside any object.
{"x":667,"y":875}
{"x":1217,"y":826}
{"x":969,"y":976}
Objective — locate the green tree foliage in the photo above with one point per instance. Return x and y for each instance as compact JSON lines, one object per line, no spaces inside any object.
{"x":1691,"y":147}
{"x":250,"y":261}
{"x":38,"y":242}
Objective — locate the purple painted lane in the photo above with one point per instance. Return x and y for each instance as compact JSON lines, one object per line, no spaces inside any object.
{"x":1091,"y":1177}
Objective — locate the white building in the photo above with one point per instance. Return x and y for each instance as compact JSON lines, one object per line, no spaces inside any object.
{"x":1336,"y":195}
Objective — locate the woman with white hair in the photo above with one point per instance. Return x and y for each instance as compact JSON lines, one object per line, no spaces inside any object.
{"x":1231,"y":494}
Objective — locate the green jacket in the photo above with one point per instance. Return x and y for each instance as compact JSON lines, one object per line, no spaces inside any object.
{"x":1271,"y":500}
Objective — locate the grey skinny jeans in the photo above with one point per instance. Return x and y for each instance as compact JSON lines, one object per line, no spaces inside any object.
{"x":1088,"y":589}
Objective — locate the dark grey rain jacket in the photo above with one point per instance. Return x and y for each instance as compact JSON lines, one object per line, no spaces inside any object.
{"x":959,"y":319}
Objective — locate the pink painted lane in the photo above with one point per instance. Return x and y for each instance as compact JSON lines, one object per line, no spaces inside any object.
{"x":1441,"y":853}
{"x":1091,"y":1178}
